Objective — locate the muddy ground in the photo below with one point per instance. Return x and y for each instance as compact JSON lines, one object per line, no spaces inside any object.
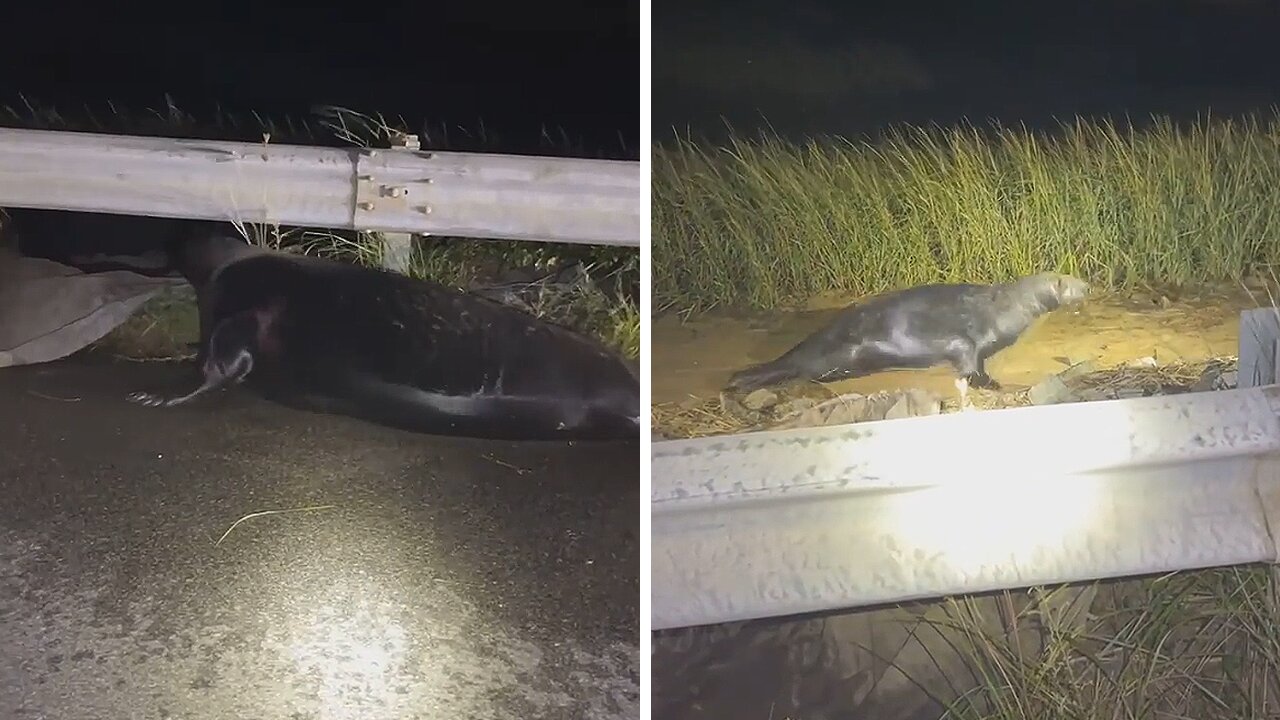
{"x":693,"y":359}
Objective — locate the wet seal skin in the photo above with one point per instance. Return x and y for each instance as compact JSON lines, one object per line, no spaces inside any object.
{"x":961,"y":325}
{"x":332,"y":337}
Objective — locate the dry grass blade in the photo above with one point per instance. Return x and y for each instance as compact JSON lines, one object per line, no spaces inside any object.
{"x":682,"y":420}
{"x":250,"y":516}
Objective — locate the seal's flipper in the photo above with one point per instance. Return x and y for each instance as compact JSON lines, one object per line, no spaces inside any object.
{"x":227,"y":361}
{"x":508,"y":417}
{"x":981,"y":379}
{"x":777,"y":372}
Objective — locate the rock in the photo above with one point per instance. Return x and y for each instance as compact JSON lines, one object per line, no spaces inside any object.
{"x":761,"y":399}
{"x":900,"y":409}
{"x":855,"y":408}
{"x":731,"y":405}
{"x":794,"y":406}
{"x":1229,"y":380}
{"x":1049,"y":391}
{"x":1146,"y":362}
{"x":842,"y":411}
{"x":878,"y":406}
{"x":1077,"y":369}
{"x":914,"y":403}
{"x":1209,"y":380}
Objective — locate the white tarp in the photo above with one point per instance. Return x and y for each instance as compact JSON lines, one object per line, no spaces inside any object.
{"x":49,"y":310}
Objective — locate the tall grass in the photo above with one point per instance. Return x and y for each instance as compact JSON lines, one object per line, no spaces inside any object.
{"x":1198,"y":644}
{"x":767,"y":222}
{"x":1201,"y":644}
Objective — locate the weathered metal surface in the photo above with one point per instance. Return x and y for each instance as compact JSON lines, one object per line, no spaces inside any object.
{"x":393,"y":190}
{"x":770,"y":524}
{"x":1258,"y":339}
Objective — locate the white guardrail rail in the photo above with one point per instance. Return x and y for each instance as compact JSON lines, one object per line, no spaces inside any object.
{"x":775,"y":523}
{"x":393,"y":190}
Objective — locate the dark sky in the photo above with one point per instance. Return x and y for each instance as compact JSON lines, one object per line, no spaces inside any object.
{"x":571,"y":64}
{"x":815,"y":66}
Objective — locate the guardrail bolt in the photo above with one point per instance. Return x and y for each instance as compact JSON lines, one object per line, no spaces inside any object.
{"x":366,"y":205}
{"x":405,"y":140}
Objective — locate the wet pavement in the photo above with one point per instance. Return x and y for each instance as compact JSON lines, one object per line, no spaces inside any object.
{"x":413,"y":576}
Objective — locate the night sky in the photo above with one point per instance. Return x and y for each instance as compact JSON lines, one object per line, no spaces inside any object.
{"x":808,"y":66}
{"x":568,"y":64}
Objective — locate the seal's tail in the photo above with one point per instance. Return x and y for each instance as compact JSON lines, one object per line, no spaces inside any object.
{"x":762,"y":375}
{"x":496,"y":418}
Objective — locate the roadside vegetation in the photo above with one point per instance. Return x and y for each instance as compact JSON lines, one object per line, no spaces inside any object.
{"x":765,"y":222}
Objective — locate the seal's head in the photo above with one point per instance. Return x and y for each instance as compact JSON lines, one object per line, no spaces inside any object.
{"x":1055,"y":290}
{"x":198,"y":249}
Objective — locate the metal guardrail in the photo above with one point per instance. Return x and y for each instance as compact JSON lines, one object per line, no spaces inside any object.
{"x":776,"y":523}
{"x":393,"y":190}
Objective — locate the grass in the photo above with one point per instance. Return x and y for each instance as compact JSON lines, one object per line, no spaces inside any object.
{"x":766,"y":222}
{"x":603,"y":301}
{"x":1202,"y":644}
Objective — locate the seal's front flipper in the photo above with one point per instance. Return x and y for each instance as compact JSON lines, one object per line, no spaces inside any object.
{"x":972,"y":366}
{"x":982,"y":380}
{"x":228,"y":360}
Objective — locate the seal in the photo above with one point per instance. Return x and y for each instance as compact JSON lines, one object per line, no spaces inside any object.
{"x":962,"y":325}
{"x":328,"y":336}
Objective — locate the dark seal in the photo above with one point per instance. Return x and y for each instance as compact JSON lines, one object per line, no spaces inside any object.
{"x":333,"y":337}
{"x":961,"y":325}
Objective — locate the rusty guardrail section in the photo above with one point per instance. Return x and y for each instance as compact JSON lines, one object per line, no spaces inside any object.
{"x":776,"y":523}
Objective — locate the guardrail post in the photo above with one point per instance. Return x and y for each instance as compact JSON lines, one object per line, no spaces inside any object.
{"x":1258,"y":343}
{"x":397,"y":251}
{"x":397,"y":248}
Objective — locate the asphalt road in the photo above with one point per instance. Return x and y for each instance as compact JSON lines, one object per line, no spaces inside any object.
{"x":451,"y":578}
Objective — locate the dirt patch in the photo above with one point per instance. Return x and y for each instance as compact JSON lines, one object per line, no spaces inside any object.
{"x":813,"y":406}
